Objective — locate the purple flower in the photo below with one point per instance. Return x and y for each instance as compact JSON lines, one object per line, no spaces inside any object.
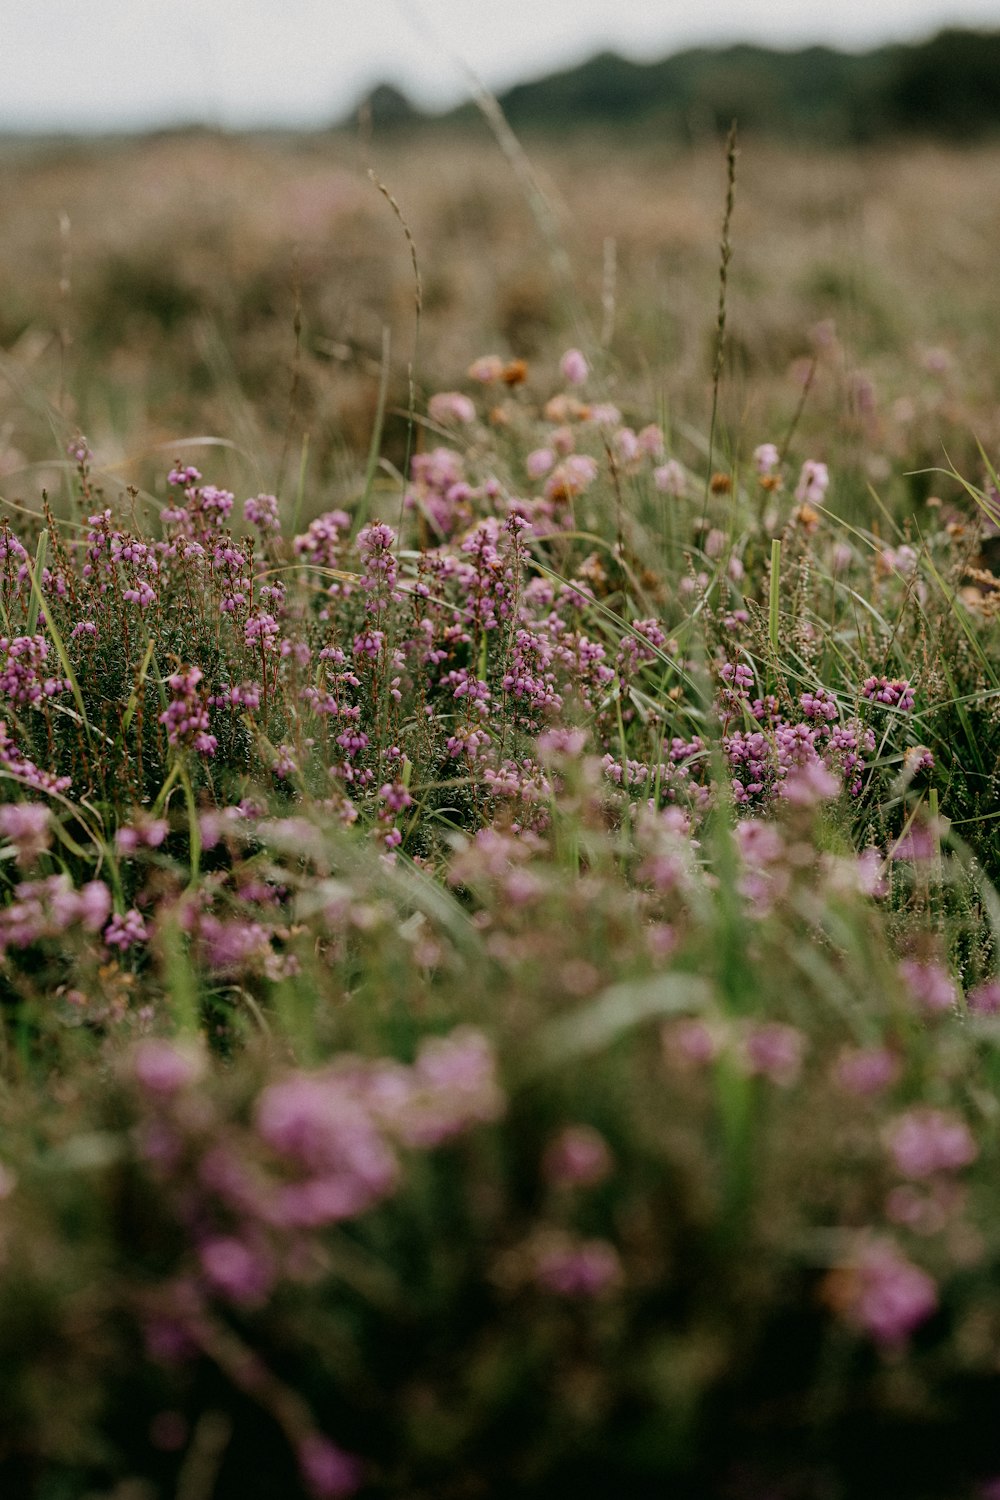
{"x":577,"y":1268}
{"x":375,"y":544}
{"x":813,"y":484}
{"x":923,"y":1142}
{"x":262,"y":512}
{"x":233,"y":946}
{"x":572,"y":477}
{"x":262,"y":629}
{"x":164,"y":1068}
{"x":891,"y":1297}
{"x":26,"y":825}
{"x":819,"y":705}
{"x":327,"y":1470}
{"x":766,"y":458}
{"x":894,"y":693}
{"x":774,"y":1051}
{"x":183,"y":477}
{"x":539,"y":462}
{"x":455,"y":1087}
{"x":808,"y":784}
{"x":242,"y":1275}
{"x":321,"y":1123}
{"x":930,"y":986}
{"x":486,"y":369}
{"x":984,"y":1000}
{"x":321,"y":544}
{"x":125,"y":931}
{"x":649,"y":440}
{"x":186,"y":716}
{"x":451,"y":406}
{"x":23,"y":675}
{"x":901,"y":560}
{"x":918,"y":844}
{"x":866,"y":1070}
{"x":670,"y":478}
{"x":285,"y":764}
{"x":93,"y":903}
{"x":689,"y":1043}
{"x":578,"y":1156}
{"x":574,"y":367}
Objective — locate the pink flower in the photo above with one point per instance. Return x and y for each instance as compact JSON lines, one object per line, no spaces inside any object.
{"x":919,"y":844}
{"x":929,"y":985}
{"x":766,"y":458}
{"x":24,"y":671}
{"x":714,"y":542}
{"x":577,"y":1157}
{"x":327,"y":1470}
{"x":900,"y":560}
{"x":603,"y":414}
{"x":869,"y":873}
{"x":232,"y":946}
{"x":455,"y":1087}
{"x":486,"y":369}
{"x":164,"y":1068}
{"x":26,"y":825}
{"x":626,"y":444}
{"x":806,"y":785}
{"x":574,"y":367}
{"x":144,"y":833}
{"x":263,"y":629}
{"x":242,"y":1275}
{"x":577,"y":1268}
{"x":984,"y":1000}
{"x":562,"y":742}
{"x":670,"y":478}
{"x":925,"y":1141}
{"x":124,"y":931}
{"x":93,"y":904}
{"x":866,"y":1070}
{"x":572,"y":477}
{"x":924,"y":1211}
{"x":774,"y":1052}
{"x":186,"y":716}
{"x":689,"y":1043}
{"x":896,"y":693}
{"x":813,"y":484}
{"x":319,"y":1122}
{"x":262,"y":512}
{"x":539,"y":462}
{"x":451,"y":406}
{"x":891,"y":1297}
{"x":322,"y":542}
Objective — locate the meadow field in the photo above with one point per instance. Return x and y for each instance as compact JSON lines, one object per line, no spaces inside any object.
{"x":500,"y":866}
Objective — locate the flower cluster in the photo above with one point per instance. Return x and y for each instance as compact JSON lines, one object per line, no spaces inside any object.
{"x":186,"y":716}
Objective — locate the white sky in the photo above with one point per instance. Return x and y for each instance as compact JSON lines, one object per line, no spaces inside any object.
{"x":98,"y":64}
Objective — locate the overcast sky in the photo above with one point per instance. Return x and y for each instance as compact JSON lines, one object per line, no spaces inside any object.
{"x":95,"y":64}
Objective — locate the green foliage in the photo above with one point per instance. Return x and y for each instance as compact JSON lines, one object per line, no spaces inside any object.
{"x":942,"y":87}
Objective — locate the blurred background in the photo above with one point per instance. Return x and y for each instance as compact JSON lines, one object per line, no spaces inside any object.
{"x":193,"y":245}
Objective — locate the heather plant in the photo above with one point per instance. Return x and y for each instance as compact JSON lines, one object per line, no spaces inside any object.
{"x":499,"y":978}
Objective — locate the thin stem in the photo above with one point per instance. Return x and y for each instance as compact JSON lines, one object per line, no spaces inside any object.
{"x":725,"y":256}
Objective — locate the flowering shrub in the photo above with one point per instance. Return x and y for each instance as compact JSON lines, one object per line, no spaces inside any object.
{"x":468,"y":975}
